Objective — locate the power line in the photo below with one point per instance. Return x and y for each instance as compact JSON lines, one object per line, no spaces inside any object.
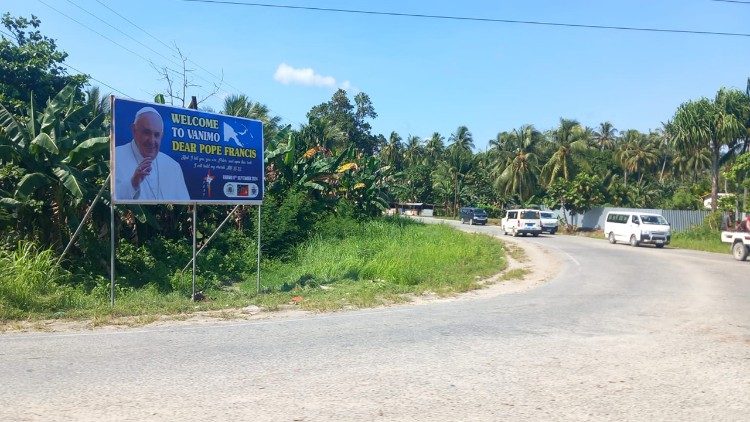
{"x":221,"y":78}
{"x":732,"y":1}
{"x":104,"y":36}
{"x":474,"y":19}
{"x":81,"y":72}
{"x":97,"y":80}
{"x":132,"y":38}
{"x":166,"y":68}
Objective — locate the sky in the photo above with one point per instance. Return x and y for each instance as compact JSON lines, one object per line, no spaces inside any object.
{"x":423,"y":75}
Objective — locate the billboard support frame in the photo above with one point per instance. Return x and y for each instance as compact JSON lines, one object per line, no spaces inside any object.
{"x":84,"y":220}
{"x":211,"y":237}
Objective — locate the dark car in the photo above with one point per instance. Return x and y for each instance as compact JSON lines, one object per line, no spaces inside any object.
{"x":472,"y":215}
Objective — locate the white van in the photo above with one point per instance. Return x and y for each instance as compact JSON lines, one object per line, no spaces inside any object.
{"x":522,"y":221}
{"x":549,"y":222}
{"x":637,"y":227}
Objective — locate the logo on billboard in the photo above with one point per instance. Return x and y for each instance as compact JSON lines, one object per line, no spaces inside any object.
{"x":230,"y":134}
{"x":241,"y":190}
{"x":207,"y":184}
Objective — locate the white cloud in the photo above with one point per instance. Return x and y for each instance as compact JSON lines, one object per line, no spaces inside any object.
{"x":289,"y":75}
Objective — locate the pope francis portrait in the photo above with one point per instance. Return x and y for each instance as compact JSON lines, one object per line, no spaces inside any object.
{"x":141,"y":171}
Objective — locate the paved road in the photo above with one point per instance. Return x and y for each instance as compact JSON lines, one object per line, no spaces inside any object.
{"x":621,"y":334}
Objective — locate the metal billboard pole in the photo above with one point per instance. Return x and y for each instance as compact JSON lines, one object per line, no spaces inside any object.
{"x":111,"y":204}
{"x":257,"y":270}
{"x":211,"y":237}
{"x":112,"y":251}
{"x":195,"y":217}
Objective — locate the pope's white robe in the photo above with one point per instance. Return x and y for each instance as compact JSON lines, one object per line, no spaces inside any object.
{"x":165,"y":182}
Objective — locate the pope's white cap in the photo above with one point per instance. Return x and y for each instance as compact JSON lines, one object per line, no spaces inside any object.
{"x":145,"y":110}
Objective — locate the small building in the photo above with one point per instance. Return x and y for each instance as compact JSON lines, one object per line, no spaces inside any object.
{"x":707,"y":199}
{"x":412,"y":208}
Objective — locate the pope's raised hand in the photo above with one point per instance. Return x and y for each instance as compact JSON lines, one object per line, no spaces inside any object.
{"x":140,"y":173}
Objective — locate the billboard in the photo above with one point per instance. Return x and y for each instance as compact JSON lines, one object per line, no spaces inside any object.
{"x":162,"y":154}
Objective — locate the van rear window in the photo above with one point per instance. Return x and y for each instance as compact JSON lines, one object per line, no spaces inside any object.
{"x":530,"y":215}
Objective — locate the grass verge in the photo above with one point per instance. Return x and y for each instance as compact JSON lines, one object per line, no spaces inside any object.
{"x":380,"y":262}
{"x":700,"y":238}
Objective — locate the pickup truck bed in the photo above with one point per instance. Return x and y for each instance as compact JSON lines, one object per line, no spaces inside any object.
{"x":740,"y":243}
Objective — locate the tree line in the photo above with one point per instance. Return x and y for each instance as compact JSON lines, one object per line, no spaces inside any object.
{"x":576,"y":167}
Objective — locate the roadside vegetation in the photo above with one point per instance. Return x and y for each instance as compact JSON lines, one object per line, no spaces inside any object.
{"x":326,"y":184}
{"x":345,"y":264}
{"x":703,"y":237}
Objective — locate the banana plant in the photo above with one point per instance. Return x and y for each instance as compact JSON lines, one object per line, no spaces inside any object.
{"x":312,"y":170}
{"x":61,"y":153}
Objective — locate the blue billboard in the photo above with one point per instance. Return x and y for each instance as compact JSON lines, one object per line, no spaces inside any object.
{"x":163,"y":154}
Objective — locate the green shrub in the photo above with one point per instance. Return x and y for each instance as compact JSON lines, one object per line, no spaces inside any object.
{"x":138,"y":266}
{"x":287,"y":221}
{"x":683,"y":199}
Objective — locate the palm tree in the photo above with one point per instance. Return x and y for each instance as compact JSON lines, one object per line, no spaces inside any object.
{"x":501,"y":145}
{"x":320,"y":133}
{"x":462,"y":139}
{"x":413,"y":150}
{"x":637,"y":153}
{"x":691,"y":163}
{"x":517,"y":168}
{"x":459,"y":158}
{"x":434,"y":149}
{"x":568,"y":140}
{"x":605,"y":136}
{"x":96,"y":103}
{"x":392,"y":153}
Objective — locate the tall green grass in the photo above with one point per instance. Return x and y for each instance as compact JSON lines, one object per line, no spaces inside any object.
{"x":703,"y":237}
{"x":379,"y":261}
{"x":345,"y":264}
{"x":700,"y":238}
{"x":31,"y":281}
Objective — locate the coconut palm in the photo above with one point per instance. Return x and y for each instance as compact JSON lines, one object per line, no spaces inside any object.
{"x":434,"y":149}
{"x":605,"y":136}
{"x":517,"y":168}
{"x":459,"y":159}
{"x":392,"y":152}
{"x":412,"y":150}
{"x":462,"y":139}
{"x":637,"y":153}
{"x":320,"y":133}
{"x":568,"y":139}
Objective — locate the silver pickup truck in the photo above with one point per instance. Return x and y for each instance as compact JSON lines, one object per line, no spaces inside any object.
{"x":740,"y":242}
